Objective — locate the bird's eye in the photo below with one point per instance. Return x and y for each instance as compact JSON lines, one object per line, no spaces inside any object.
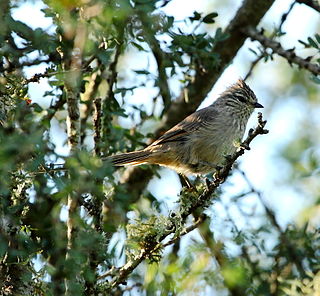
{"x":240,"y":98}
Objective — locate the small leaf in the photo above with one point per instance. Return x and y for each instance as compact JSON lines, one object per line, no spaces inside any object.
{"x":37,"y":108}
{"x":318,"y":38}
{"x":196,"y":16}
{"x":209,"y":18}
{"x":304,"y":43}
{"x":170,"y":20}
{"x":313,"y":43}
{"x":219,"y":36}
{"x":103,"y":56}
{"x":142,"y":72}
{"x":253,"y":51}
{"x":138,"y":46}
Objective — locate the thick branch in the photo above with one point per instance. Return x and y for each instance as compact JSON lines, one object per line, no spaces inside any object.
{"x":276,"y":47}
{"x":72,"y":61}
{"x":73,"y":126}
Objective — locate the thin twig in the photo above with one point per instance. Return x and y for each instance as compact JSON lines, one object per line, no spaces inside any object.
{"x":294,"y":256}
{"x":188,"y":229}
{"x":274,"y":34}
{"x":285,"y":16}
{"x":110,"y":97}
{"x":199,"y":203}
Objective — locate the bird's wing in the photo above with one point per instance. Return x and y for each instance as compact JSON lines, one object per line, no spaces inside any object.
{"x":190,"y":124}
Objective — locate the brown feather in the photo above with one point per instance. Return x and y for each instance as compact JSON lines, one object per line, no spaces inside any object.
{"x":135,"y":157}
{"x":189,"y":125}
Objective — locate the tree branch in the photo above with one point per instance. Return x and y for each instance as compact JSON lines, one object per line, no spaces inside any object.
{"x":292,"y":252}
{"x":311,"y":3}
{"x":188,"y":229}
{"x":110,"y":97}
{"x":179,"y":218}
{"x":276,"y":31}
{"x":276,"y":47}
{"x":72,"y":60}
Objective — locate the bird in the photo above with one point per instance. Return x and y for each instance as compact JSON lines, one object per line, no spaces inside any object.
{"x":199,"y":144}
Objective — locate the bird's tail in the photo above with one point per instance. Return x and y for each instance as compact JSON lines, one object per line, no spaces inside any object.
{"x":132,"y":158}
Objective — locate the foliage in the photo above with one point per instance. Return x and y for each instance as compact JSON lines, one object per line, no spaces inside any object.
{"x":70,"y":223}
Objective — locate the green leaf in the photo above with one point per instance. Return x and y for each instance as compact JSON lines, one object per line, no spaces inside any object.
{"x":219,"y":36}
{"x":312,"y":43}
{"x":303,"y":43}
{"x":103,"y":55}
{"x":138,"y":46}
{"x":209,"y":18}
{"x":142,"y":72}
{"x":253,"y":51}
{"x":56,"y":82}
{"x":170,"y":20}
{"x":196,"y":16}
{"x":145,"y":5}
{"x":37,"y":107}
{"x":178,"y":59}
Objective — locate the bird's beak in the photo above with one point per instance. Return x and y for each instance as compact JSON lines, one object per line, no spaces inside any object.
{"x":257,"y":105}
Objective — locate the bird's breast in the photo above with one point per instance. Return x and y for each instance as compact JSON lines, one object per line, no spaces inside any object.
{"x":215,"y":142}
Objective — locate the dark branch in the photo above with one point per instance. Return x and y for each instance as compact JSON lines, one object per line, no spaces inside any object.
{"x":53,"y":109}
{"x":276,"y":47}
{"x":110,"y":96}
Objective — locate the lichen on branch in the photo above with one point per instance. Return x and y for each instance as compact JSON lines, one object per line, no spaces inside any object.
{"x":152,"y":244}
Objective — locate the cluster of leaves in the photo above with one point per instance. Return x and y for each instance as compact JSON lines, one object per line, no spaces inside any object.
{"x":312,"y":42}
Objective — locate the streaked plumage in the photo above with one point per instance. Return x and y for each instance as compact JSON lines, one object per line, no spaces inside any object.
{"x":199,"y":143}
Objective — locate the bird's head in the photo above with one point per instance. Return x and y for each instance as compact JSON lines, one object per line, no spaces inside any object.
{"x":240,"y":98}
